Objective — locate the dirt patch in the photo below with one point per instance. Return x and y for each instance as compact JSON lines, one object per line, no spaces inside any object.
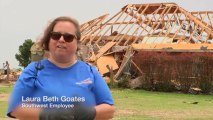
{"x":6,"y":84}
{"x":125,"y":112}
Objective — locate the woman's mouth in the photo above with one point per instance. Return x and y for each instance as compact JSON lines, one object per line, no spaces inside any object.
{"x":61,"y":46}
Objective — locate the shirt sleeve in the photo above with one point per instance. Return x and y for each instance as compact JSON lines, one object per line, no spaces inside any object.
{"x":101,"y":90}
{"x":23,"y":88}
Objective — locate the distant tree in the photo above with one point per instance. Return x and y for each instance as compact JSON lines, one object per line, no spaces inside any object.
{"x":24,"y":53}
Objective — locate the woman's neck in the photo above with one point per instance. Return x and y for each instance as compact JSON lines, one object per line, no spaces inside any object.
{"x":63,"y":63}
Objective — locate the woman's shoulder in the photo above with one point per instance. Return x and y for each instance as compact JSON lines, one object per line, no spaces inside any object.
{"x":86,"y":64}
{"x":30,"y":66}
{"x":33,"y":65}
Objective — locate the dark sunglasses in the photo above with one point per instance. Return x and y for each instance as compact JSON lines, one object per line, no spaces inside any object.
{"x":67,"y":37}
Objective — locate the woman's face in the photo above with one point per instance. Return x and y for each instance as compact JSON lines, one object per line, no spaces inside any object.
{"x":60,"y":49}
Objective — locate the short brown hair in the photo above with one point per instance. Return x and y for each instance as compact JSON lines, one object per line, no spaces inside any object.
{"x":46,"y":37}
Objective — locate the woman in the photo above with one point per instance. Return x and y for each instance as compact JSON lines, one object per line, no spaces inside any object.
{"x":64,"y":87}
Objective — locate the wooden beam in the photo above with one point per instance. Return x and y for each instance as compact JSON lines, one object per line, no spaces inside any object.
{"x":138,"y":17}
{"x":121,"y":13}
{"x":125,"y":25}
{"x":104,"y":49}
{"x":137,"y":67}
{"x":181,"y":26}
{"x":162,"y":14}
{"x":129,"y":54}
{"x":202,"y":12}
{"x":198,"y":22}
{"x":140,"y":24}
{"x":83,"y":39}
{"x":94,"y":24}
{"x":148,"y":23}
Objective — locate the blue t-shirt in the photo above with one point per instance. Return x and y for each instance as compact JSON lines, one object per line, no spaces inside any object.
{"x":55,"y":87}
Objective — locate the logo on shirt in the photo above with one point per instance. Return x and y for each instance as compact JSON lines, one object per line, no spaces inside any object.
{"x":86,"y":81}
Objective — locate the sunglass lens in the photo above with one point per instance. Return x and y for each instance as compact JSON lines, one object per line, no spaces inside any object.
{"x":68,"y":37}
{"x":56,"y":35}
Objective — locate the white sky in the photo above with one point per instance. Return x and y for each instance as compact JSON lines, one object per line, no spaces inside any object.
{"x":26,"y":19}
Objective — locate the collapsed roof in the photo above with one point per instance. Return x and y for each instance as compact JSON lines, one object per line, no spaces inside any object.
{"x":109,"y":43}
{"x":136,"y":27}
{"x":150,"y":23}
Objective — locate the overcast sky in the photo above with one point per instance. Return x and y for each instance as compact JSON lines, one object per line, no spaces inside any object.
{"x":26,"y":19}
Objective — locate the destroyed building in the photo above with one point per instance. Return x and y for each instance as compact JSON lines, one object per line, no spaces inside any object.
{"x":111,"y":41}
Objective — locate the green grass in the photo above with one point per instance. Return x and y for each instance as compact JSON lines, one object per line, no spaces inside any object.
{"x":4,"y":104}
{"x":145,"y":105}
{"x":6,"y":89}
{"x":140,"y":104}
{"x":3,"y":109}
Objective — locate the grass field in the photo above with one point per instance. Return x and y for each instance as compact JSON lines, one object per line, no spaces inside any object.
{"x":4,"y":96}
{"x":145,"y":105}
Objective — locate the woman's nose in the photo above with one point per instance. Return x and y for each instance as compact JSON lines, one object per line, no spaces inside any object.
{"x":61,"y":39}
